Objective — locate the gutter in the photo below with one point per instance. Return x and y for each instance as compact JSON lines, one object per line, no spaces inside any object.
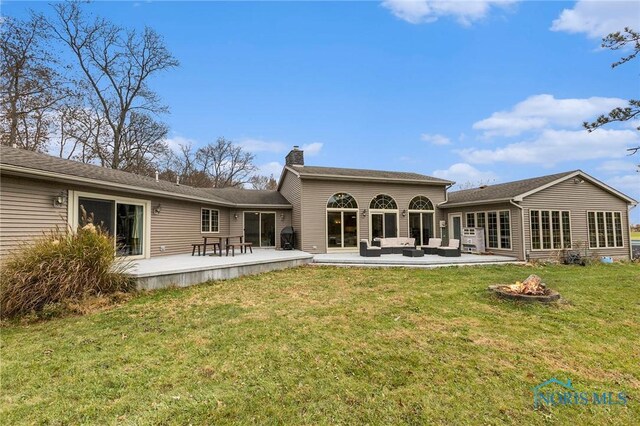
{"x":375,"y":179}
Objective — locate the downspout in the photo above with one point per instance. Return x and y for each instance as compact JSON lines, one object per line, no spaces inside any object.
{"x":446,"y":198}
{"x":524,"y":245}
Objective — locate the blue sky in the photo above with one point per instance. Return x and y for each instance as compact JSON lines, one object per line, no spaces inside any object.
{"x":471,"y":91}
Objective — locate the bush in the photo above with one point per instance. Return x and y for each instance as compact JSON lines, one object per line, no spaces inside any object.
{"x":61,"y":267}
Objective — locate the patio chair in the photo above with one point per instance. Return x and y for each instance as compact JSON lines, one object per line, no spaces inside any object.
{"x":432,"y":246}
{"x":368,"y":251}
{"x":452,"y":250}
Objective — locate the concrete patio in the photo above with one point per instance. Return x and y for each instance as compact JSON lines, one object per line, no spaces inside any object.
{"x":184,"y":270}
{"x":428,"y":261}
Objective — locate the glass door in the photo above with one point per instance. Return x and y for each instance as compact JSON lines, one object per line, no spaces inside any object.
{"x":384,"y":225}
{"x":421,"y":227}
{"x":267,"y":229}
{"x":455,"y":226}
{"x":260,"y":229}
{"x":123,"y":221}
{"x":252,"y":228}
{"x":342,"y":229}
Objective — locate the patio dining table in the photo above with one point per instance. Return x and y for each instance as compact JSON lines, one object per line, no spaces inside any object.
{"x":226,"y":239}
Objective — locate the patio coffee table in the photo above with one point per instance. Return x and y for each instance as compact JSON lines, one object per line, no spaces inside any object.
{"x":412,"y":253}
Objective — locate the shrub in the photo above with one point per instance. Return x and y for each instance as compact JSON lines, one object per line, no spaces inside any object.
{"x":61,"y":267}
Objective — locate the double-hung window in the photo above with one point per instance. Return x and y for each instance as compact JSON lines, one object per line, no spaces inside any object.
{"x":605,"y":229}
{"x":209,"y":220}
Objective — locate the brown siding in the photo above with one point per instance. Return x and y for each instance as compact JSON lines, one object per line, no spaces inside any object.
{"x":26,"y":210}
{"x":291,"y":189}
{"x":516,"y":228}
{"x":316,"y":193}
{"x":178,"y":226}
{"x":578,"y":199}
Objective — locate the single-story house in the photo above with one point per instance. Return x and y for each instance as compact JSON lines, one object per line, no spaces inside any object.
{"x":330,"y":209}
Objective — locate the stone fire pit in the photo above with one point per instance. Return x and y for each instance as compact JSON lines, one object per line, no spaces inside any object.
{"x":530,"y":290}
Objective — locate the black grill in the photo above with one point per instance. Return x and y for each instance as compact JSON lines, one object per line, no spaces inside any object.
{"x":287,"y":238}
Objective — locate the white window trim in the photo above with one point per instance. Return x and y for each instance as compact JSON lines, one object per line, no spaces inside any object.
{"x":433,"y":224}
{"x":210,"y":221}
{"x":72,"y":215}
{"x":326,"y":229}
{"x":613,"y":214}
{"x":384,"y":224}
{"x":551,"y":230}
{"x":498,"y":223}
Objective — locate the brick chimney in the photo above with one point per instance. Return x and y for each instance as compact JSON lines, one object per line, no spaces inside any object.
{"x":295,"y":157}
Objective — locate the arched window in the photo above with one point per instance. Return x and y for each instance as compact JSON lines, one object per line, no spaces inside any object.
{"x":421,"y":203}
{"x":342,"y":200}
{"x":383,"y":202}
{"x":342,"y":222}
{"x":383,"y":217}
{"x":421,"y":220}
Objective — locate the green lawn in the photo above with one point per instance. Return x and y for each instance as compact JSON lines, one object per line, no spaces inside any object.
{"x":320,"y":345}
{"x":635,"y":235}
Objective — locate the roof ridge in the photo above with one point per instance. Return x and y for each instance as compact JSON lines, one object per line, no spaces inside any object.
{"x":560,"y":174}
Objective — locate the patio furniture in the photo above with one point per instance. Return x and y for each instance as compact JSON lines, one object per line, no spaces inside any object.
{"x":432,"y":246}
{"x":226,"y":239}
{"x":412,"y":253}
{"x":194,"y":247}
{"x":367,"y":251}
{"x":242,"y":246}
{"x":394,"y":245}
{"x":452,"y":250}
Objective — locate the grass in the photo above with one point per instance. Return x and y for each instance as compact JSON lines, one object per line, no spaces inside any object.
{"x":635,"y":235}
{"x":320,"y":345}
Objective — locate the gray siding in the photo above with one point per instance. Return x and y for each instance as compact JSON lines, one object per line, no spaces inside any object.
{"x":578,"y":199}
{"x":26,"y":211}
{"x":516,"y":227}
{"x":316,"y":193}
{"x":291,"y":189}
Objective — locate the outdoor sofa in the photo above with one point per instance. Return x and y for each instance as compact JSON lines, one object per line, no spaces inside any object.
{"x":452,"y":250}
{"x":432,"y":246}
{"x":368,"y":251}
{"x":394,"y":245}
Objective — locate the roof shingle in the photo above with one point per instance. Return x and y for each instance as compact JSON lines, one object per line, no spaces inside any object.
{"x":316,"y":171}
{"x":501,"y":191}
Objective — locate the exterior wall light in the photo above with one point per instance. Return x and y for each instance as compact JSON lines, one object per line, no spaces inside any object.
{"x":404,"y":213}
{"x":58,"y":200}
{"x":235,"y":215}
{"x":364,"y":212}
{"x":157,"y":209}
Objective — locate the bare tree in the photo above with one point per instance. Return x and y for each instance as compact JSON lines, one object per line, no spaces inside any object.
{"x":226,"y":164}
{"x":30,"y":85}
{"x":181,"y":166}
{"x":616,"y":41}
{"x":473,"y":185}
{"x":115,"y":66}
{"x":263,"y":182}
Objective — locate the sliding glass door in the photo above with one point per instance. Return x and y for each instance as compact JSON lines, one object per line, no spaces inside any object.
{"x":342,"y":229}
{"x":123,"y":221}
{"x":260,"y":229}
{"x":384,"y":225}
{"x":421,"y":227}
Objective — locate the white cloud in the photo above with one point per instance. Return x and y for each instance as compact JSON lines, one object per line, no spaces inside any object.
{"x":465,"y":12}
{"x":312,"y":149}
{"x":273,"y":168}
{"x":629,"y":184}
{"x":555,"y":146}
{"x":618,"y":166}
{"x":259,"y":145}
{"x":541,"y":111}
{"x":175,"y":142}
{"x":464,"y":173}
{"x":598,"y":18}
{"x":435,"y":139}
